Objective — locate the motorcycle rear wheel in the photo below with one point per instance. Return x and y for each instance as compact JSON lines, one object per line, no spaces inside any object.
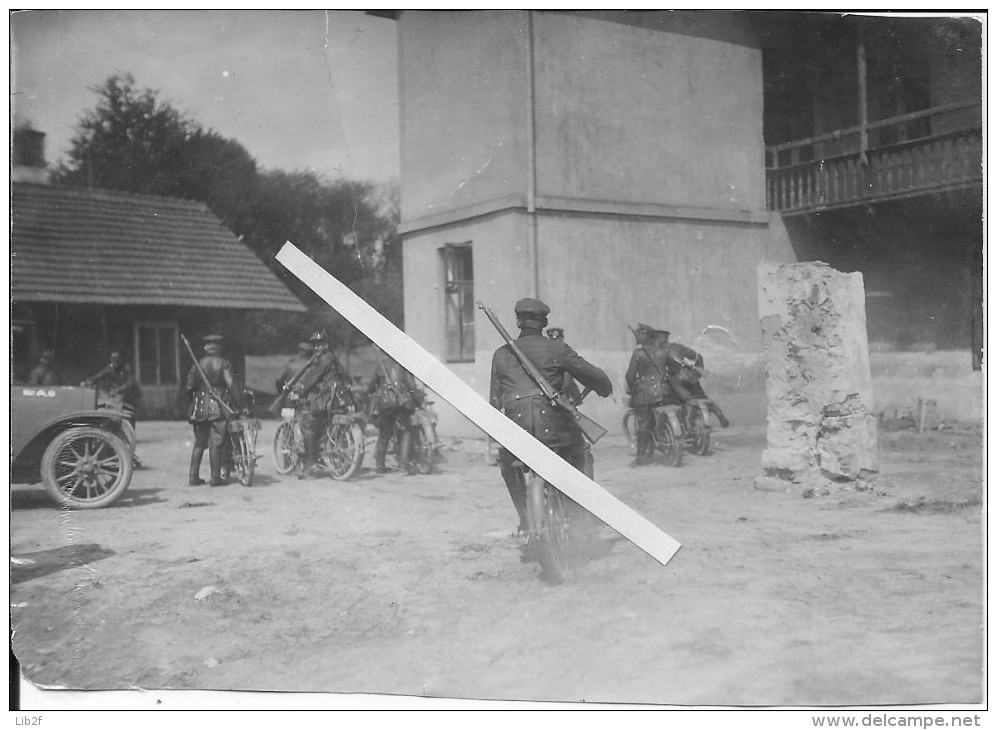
{"x":699,"y":431}
{"x":667,"y":441}
{"x":243,"y":460}
{"x":548,"y":515}
{"x":419,"y":443}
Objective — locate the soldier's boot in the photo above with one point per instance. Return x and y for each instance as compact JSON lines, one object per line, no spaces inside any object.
{"x":517,"y":490}
{"x":215,"y":459}
{"x":715,"y":410}
{"x":309,"y":464}
{"x":380,"y":454}
{"x":194,"y":478}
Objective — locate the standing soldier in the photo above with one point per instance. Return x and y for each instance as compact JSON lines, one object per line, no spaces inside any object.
{"x":395,"y":398}
{"x":515,"y":394}
{"x":315,"y":389}
{"x":295,"y":365}
{"x":206,"y":414}
{"x":647,"y":387}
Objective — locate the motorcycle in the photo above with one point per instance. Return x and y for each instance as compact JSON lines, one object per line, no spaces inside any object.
{"x":414,"y":433}
{"x":239,"y":449}
{"x":341,"y":452}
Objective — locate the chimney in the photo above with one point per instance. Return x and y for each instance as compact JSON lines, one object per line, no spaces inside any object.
{"x":28,"y":156}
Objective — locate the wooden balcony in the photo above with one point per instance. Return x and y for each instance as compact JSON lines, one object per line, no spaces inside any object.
{"x":929,"y":151}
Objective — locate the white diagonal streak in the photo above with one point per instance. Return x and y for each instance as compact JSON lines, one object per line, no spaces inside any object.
{"x":410,"y":355}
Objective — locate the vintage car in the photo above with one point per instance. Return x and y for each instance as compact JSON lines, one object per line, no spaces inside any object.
{"x":80,"y":451}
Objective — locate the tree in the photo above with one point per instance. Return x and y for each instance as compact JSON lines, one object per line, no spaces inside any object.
{"x":132,"y":141}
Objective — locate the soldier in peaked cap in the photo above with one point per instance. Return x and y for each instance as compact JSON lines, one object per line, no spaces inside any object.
{"x":206,"y":414}
{"x":515,"y":394}
{"x":648,"y":386}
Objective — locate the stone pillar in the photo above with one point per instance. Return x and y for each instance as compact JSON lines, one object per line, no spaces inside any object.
{"x":821,"y":429}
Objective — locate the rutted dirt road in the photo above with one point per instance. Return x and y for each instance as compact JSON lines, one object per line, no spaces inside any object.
{"x":413,"y":585}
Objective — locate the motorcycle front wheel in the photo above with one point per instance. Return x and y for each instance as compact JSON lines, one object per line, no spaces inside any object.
{"x":630,"y":427}
{"x":285,"y":452}
{"x":343,"y":450}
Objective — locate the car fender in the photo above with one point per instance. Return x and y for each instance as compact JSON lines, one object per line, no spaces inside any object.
{"x":46,"y":432}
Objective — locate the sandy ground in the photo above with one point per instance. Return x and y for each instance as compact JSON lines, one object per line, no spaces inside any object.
{"x":413,"y":585}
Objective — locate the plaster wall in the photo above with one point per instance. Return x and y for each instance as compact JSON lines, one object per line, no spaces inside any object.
{"x":645,"y":114}
{"x":463,"y":97}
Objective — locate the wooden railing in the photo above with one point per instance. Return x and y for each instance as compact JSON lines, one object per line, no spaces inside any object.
{"x":932,"y":150}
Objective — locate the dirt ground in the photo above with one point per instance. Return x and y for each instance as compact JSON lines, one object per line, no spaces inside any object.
{"x":413,"y":585}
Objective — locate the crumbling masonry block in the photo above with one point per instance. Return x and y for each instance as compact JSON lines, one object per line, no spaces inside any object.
{"x":821,"y":430}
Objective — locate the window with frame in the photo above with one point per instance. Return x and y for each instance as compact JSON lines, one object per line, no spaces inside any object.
{"x":156,"y":353}
{"x":458,"y":274}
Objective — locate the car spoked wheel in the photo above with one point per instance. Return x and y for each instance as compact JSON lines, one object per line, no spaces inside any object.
{"x":86,"y":467}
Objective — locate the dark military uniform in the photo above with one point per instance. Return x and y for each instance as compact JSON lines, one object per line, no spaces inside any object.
{"x":395,"y":398}
{"x":647,"y":388}
{"x":518,"y":397}
{"x":205,"y":413}
{"x":315,"y":391}
{"x":118,"y":380}
{"x":685,"y":366}
{"x":295,"y":365}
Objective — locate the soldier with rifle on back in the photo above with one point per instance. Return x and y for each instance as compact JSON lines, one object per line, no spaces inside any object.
{"x":315,"y":387}
{"x":530,"y":393}
{"x":395,"y":397}
{"x":212,"y":390}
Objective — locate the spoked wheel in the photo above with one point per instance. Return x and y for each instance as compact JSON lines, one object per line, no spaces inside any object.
{"x":243,"y":456}
{"x":420,"y":447}
{"x":86,"y":467}
{"x":343,"y":450}
{"x":285,"y":451}
{"x":699,"y":431}
{"x":552,"y":536}
{"x":668,"y":442}
{"x":630,"y":427}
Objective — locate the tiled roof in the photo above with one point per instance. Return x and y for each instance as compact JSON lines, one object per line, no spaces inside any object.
{"x":108,"y":247}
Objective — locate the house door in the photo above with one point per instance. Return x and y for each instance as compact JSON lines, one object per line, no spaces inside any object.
{"x":157,"y":368}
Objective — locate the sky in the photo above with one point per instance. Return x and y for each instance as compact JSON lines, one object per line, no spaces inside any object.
{"x":299,"y":89}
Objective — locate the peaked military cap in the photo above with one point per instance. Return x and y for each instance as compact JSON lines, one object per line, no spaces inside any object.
{"x":319,"y":336}
{"x":662,"y":333}
{"x":306,"y":346}
{"x":552,"y":330}
{"x":213,"y":338}
{"x":531,"y":308}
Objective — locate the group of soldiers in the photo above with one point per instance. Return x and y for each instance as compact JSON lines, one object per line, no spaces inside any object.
{"x":315,"y":384}
{"x":660,"y":373}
